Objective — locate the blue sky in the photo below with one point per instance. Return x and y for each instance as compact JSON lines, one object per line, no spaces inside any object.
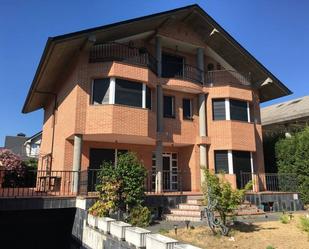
{"x":275,"y":32}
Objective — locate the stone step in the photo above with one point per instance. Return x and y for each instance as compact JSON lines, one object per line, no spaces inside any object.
{"x":185,"y":212}
{"x":172,"y":217}
{"x":195,"y":201}
{"x":186,"y":206}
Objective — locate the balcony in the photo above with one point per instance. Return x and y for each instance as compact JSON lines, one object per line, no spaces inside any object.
{"x":123,"y":53}
{"x":107,"y":52}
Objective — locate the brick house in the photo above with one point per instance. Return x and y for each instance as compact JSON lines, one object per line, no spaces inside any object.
{"x":173,"y":87}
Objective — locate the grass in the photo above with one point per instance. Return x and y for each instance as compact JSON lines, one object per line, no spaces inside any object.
{"x":261,"y":235}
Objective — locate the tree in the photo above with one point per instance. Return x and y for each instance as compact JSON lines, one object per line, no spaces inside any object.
{"x":292,"y":156}
{"x":221,"y":192}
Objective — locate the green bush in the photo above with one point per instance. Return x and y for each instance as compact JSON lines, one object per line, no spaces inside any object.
{"x":227,"y":199}
{"x":292,"y":156}
{"x":304,"y":224}
{"x":121,"y":187}
{"x":140,"y":216}
{"x":270,"y":247}
{"x":284,"y":219}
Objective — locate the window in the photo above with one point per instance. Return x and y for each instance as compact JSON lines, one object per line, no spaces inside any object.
{"x":210,"y":67}
{"x":221,"y":161}
{"x":187,"y":109}
{"x":218,"y":109}
{"x":238,"y":110}
{"x":169,"y":106}
{"x":128,"y":93}
{"x":100,"y":91}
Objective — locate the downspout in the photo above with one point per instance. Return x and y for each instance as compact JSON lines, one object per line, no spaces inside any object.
{"x":54,"y":122}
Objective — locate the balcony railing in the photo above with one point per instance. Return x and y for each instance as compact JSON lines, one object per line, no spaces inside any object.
{"x":274,"y":182}
{"x":123,"y":53}
{"x":226,"y":77}
{"x":190,"y":73}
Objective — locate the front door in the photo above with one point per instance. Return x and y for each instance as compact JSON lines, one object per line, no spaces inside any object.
{"x":172,"y":65}
{"x":170,"y":172}
{"x":242,"y":167}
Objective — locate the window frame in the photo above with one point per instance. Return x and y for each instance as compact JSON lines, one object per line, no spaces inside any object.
{"x":246,"y":114}
{"x":226,"y":152}
{"x":213,"y":109}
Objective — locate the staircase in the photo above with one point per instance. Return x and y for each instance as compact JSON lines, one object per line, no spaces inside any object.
{"x":193,"y":209}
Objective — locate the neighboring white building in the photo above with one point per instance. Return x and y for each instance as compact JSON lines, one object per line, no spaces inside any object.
{"x":32,"y":145}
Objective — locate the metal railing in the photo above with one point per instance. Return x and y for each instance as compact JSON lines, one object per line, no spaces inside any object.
{"x":274,"y":182}
{"x":226,"y":77}
{"x":37,"y":183}
{"x":190,"y":73}
{"x":123,"y":53}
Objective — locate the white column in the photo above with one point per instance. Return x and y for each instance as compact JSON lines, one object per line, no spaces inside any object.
{"x":227,"y":109}
{"x":248,"y":111}
{"x":251,"y":162}
{"x":112,"y":87}
{"x":77,"y":151}
{"x":144,"y":96}
{"x":230,"y":161}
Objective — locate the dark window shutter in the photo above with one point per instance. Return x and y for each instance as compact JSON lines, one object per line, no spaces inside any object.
{"x":100,"y":91}
{"x":218,"y":109}
{"x":238,"y":110}
{"x":221,"y":161}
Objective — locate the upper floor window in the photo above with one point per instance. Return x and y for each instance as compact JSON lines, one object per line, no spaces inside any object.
{"x":238,"y":110}
{"x":218,"y":109}
{"x":187,"y":109}
{"x":128,"y":93}
{"x":169,"y":106}
{"x":120,"y":91}
{"x":221,"y":161}
{"x":210,"y":67}
{"x":100,"y":91}
{"x":230,"y":109}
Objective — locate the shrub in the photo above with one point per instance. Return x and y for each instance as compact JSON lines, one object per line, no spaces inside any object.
{"x":270,"y":247}
{"x":284,"y":219}
{"x":15,"y":169}
{"x":122,"y":185}
{"x":101,"y":209}
{"x":292,"y":158}
{"x":304,"y":224}
{"x":227,"y":199}
{"x":140,"y":216}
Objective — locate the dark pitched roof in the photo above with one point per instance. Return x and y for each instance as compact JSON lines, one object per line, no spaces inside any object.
{"x":60,"y":49}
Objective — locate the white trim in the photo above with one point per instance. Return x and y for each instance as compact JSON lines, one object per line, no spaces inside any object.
{"x":227,"y":110}
{"x":144,"y":96}
{"x":251,"y":162}
{"x":112,"y":87}
{"x":230,"y":161}
{"x":248,"y":111}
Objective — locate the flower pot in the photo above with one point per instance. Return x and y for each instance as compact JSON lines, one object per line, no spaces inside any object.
{"x":92,"y":221}
{"x":104,"y":224}
{"x":117,"y":229}
{"x":158,"y":241}
{"x":136,"y":236}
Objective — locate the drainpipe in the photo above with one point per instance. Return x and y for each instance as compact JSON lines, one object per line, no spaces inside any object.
{"x":202,"y":114}
{"x":54,"y":123}
{"x":159,"y":144}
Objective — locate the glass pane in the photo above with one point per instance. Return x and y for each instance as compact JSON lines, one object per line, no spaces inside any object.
{"x":238,"y":110}
{"x":168,"y":106}
{"x":186,"y":108}
{"x":221,"y":161}
{"x":100,"y":92}
{"x":148,"y":98}
{"x":218,"y":109}
{"x":128,"y":93}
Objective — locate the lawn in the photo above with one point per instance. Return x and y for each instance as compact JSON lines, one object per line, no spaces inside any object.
{"x":257,"y":235}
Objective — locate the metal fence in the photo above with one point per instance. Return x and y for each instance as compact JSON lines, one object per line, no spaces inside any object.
{"x":274,"y":182}
{"x":37,"y":183}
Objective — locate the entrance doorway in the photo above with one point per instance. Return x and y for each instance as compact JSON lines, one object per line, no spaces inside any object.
{"x":241,"y":165}
{"x":170,"y":172}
